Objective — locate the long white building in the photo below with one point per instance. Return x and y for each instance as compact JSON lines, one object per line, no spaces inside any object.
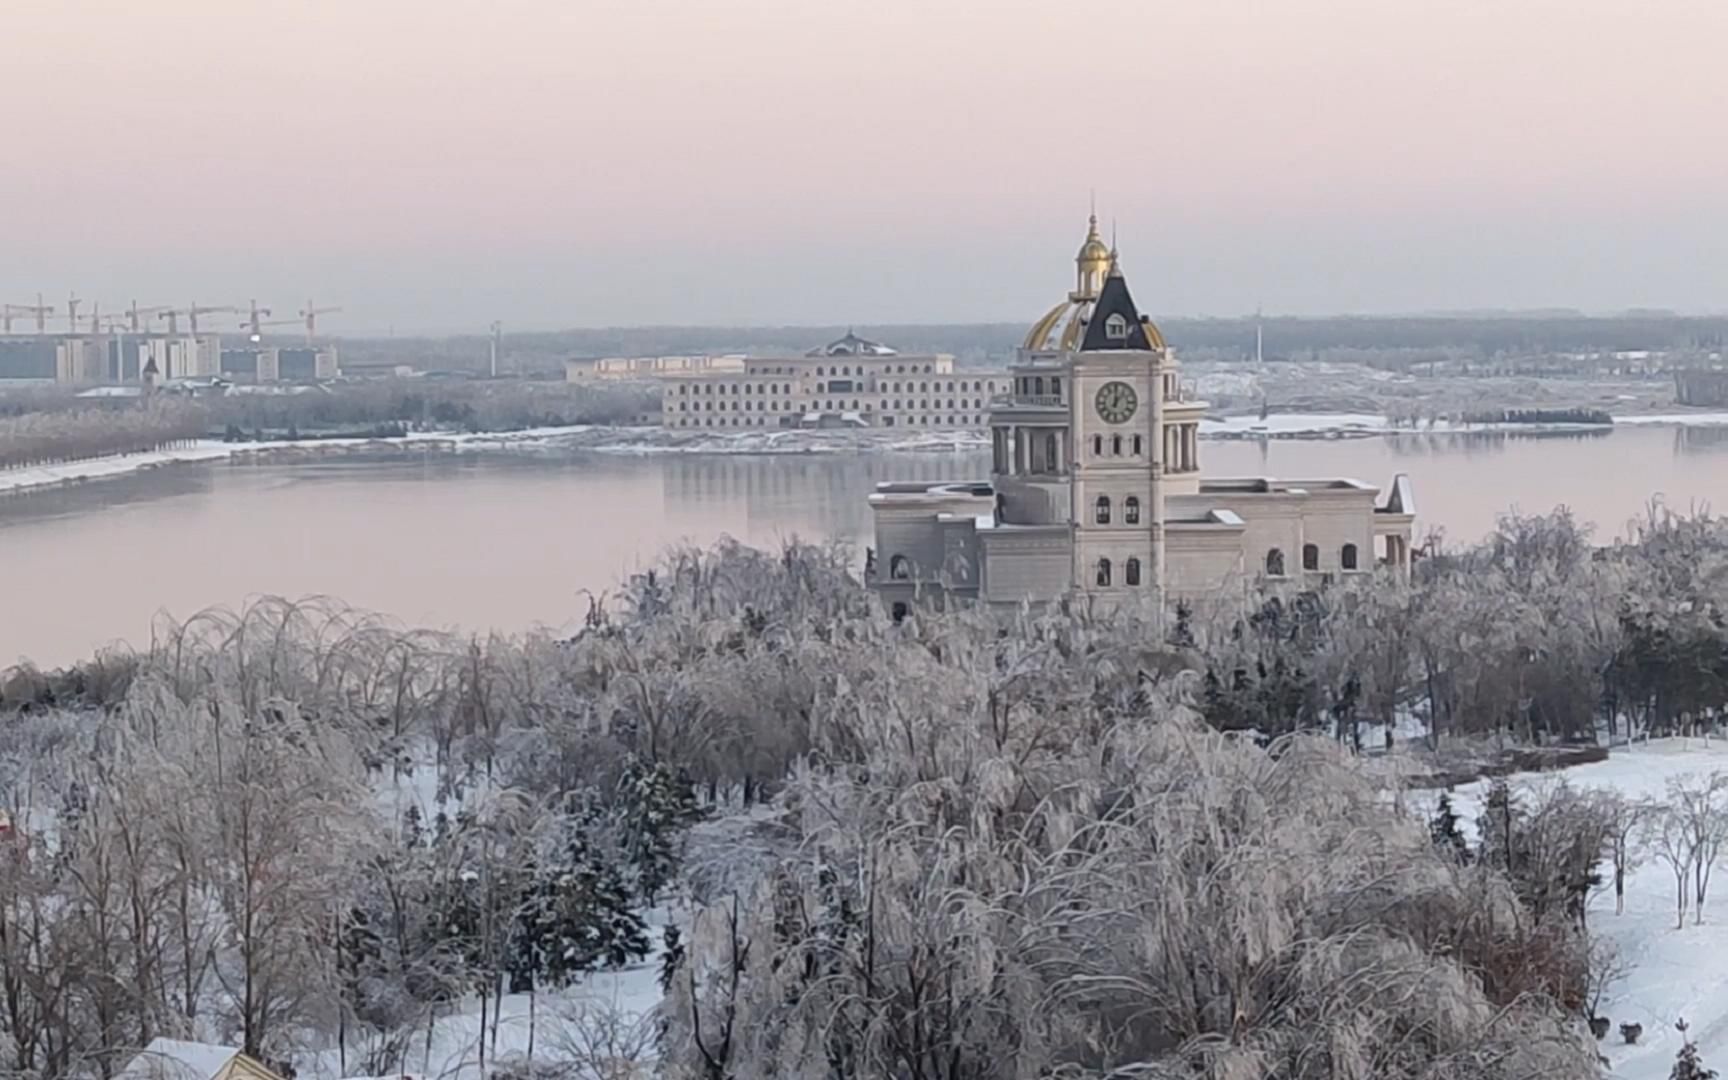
{"x":850,"y":382}
{"x":1097,"y":487}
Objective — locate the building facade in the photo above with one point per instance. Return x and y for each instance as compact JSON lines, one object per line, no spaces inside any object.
{"x":851,"y":382}
{"x":1096,"y":484}
{"x":120,"y":359}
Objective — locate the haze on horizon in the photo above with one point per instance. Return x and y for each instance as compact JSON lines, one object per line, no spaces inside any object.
{"x":433,"y":166}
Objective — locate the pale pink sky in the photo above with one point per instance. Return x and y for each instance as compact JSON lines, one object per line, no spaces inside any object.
{"x":433,"y":164}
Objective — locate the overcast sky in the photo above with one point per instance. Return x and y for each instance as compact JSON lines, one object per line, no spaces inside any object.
{"x":435,"y":164}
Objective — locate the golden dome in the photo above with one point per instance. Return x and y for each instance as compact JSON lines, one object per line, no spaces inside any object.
{"x":1064,"y":326}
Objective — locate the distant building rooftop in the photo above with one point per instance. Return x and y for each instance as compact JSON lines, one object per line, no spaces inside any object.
{"x":853,"y":345}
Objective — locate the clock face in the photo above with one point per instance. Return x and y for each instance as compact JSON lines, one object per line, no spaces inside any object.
{"x":1117,"y":402}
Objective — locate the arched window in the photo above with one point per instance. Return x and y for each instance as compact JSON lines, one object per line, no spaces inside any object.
{"x":1038,"y":385}
{"x":1131,"y":512}
{"x":1104,"y":571}
{"x":1310,"y":556}
{"x":900,"y":568}
{"x":1275,"y":563}
{"x":1116,"y":445}
{"x":1050,"y":451}
{"x":1347,"y":557}
{"x":1131,"y":572}
{"x":1098,"y":445}
{"x":818,"y":371}
{"x":1137,"y":446}
{"x":1116,"y":327}
{"x":1102,"y":510}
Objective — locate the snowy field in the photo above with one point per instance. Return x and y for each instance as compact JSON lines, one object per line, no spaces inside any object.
{"x":1671,"y":973}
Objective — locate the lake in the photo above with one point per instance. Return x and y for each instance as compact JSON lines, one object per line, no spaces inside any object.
{"x":511,"y":539}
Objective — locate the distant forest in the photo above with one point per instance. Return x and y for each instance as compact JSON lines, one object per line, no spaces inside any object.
{"x":1285,"y":337}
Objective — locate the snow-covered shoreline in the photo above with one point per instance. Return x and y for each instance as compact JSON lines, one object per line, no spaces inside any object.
{"x":653,"y":441}
{"x":37,"y":477}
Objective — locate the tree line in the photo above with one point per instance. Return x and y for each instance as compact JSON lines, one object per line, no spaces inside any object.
{"x":1091,"y":843}
{"x":76,"y":434}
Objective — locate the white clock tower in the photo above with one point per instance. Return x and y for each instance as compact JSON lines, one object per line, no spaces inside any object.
{"x":1116,"y":414}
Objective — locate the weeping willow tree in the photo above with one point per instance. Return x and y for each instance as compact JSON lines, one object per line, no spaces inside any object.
{"x":1147,"y":898}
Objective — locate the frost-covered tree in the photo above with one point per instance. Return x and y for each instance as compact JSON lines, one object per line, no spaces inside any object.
{"x":1140,"y":898}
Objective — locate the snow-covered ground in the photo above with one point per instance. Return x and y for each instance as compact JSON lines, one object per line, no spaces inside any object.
{"x":1672,"y":973}
{"x":609,"y":1007}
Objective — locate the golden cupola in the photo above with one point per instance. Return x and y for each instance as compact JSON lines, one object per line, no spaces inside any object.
{"x":1092,"y":264}
{"x":1064,"y":327}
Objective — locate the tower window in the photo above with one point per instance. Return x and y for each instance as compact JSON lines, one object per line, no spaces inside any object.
{"x":1104,"y":572}
{"x":1102,"y":510}
{"x":1116,"y":327}
{"x":1116,"y":445}
{"x":1098,"y":446}
{"x":1138,"y":446}
{"x":1131,"y":572}
{"x":1310,"y":556}
{"x":1131,"y":512}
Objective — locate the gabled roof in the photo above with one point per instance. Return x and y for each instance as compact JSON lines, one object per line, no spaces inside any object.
{"x":1114,"y":300}
{"x":174,"y":1059}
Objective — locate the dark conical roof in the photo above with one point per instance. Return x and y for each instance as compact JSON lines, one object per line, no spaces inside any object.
{"x":1114,"y":299}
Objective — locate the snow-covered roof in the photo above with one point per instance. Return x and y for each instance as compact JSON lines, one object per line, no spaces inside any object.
{"x":172,"y":1059}
{"x":853,"y":345}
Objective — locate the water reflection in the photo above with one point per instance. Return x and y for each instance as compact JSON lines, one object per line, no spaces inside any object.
{"x":1469,"y":443}
{"x":1701,"y":440}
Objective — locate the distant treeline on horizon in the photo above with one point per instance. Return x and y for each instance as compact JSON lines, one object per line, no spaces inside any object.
{"x":1285,"y":337}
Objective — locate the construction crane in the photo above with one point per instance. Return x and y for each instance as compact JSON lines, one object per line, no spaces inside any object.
{"x":310,"y":313}
{"x":135,"y":316}
{"x":255,"y":326}
{"x":252,"y":319}
{"x":41,"y":311}
{"x":194,"y":311}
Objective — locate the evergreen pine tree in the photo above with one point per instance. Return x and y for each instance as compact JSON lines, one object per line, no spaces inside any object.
{"x":589,"y":921}
{"x":658,"y":805}
{"x":671,"y":955}
{"x":1443,"y":829}
{"x":1498,"y":827}
{"x":1686,"y":1063}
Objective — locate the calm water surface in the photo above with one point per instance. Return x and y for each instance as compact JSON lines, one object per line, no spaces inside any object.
{"x":508,"y":540}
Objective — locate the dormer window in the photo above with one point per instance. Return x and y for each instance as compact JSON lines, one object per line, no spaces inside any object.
{"x":1116,"y":327}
